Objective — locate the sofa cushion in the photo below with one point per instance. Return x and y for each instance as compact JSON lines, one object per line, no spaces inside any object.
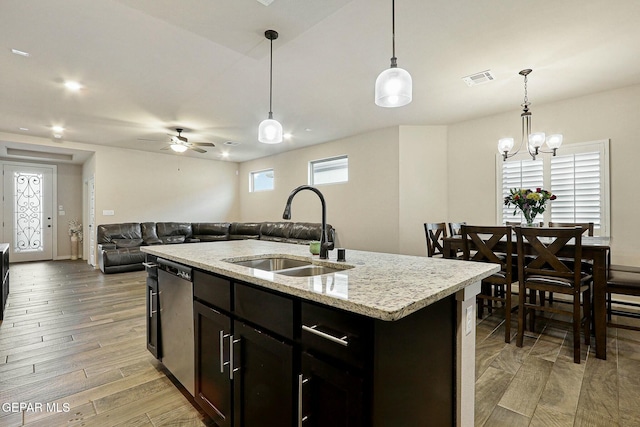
{"x":173,"y":229}
{"x":122,"y":256}
{"x":128,"y":230}
{"x":210,"y":231}
{"x":149,"y":234}
{"x":275,"y":231}
{"x":169,"y":240}
{"x":127,"y":243}
{"x":244,"y":230}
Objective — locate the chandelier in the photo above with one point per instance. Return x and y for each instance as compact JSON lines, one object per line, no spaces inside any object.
{"x":533,"y":141}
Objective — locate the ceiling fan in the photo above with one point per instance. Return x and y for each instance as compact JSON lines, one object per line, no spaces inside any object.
{"x":181,"y":144}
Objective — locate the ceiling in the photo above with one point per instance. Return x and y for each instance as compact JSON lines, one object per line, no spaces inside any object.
{"x":149,"y":66}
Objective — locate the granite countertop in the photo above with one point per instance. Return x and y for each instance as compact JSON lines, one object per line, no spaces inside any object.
{"x":378,"y":285}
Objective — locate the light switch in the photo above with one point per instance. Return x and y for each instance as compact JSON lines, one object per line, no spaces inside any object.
{"x":61,"y":213}
{"x":60,"y":208}
{"x":108,"y":212}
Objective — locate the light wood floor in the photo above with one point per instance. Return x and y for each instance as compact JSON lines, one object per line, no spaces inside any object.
{"x":75,"y":339}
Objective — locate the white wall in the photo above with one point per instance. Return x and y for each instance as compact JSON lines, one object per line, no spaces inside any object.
{"x":364,"y":210}
{"x":423,"y":185}
{"x":608,"y":115}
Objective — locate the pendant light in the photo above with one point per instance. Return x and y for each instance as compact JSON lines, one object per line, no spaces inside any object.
{"x":270,"y":130}
{"x":393,"y":85}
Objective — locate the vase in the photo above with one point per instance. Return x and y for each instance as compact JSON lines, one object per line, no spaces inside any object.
{"x":74,"y":247}
{"x":533,"y":223}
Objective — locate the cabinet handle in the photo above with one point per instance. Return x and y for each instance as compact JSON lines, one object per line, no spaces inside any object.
{"x":231,"y":368}
{"x":151,"y":295}
{"x":342,"y":341}
{"x":222,"y":362}
{"x":301,"y":382}
{"x":149,"y":264}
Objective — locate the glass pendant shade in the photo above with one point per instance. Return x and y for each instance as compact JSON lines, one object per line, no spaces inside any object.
{"x":505,"y":144}
{"x":270,"y":131}
{"x":393,"y":88}
{"x":179,"y":148}
{"x":536,"y":139}
{"x":554,"y":141}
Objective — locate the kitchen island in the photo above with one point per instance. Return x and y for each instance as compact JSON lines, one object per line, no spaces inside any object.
{"x":383,"y":339}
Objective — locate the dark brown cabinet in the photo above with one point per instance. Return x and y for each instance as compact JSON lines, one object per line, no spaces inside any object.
{"x":153,"y":312}
{"x":212,"y":367}
{"x":330,"y":396}
{"x":263,"y":392}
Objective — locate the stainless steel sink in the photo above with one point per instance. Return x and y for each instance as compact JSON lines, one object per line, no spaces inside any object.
{"x":309,"y":270}
{"x":289,"y":266}
{"x":273,"y":264}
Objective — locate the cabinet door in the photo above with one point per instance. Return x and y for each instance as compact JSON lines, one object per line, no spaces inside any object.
{"x":263,"y":384}
{"x":212,"y":346}
{"x":153,"y":318}
{"x":330,"y":396}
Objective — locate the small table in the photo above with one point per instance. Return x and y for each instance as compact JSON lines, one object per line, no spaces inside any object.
{"x":595,"y":249}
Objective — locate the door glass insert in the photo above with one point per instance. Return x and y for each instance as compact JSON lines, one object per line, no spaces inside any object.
{"x":28,"y":227}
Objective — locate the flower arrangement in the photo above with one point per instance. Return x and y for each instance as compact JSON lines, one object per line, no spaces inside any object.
{"x":75,"y":229}
{"x":530,"y":203}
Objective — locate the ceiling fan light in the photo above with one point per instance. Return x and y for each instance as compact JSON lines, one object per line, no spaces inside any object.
{"x":178,"y":148}
{"x":270,"y":131}
{"x":394,"y":88}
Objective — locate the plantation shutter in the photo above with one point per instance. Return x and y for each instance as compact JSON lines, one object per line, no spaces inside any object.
{"x":520,"y":174}
{"x":576,"y":181}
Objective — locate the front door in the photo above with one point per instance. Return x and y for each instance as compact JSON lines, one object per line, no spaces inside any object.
{"x":28,"y":211}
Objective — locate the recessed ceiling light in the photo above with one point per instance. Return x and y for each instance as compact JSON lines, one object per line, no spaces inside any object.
{"x":57,"y":129}
{"x":287,"y":136}
{"x":307,"y":130}
{"x":20,"y":52}
{"x":265,"y":2}
{"x":73,"y":86}
{"x":57,"y":135}
{"x":225,"y":154}
{"x":24,"y":129}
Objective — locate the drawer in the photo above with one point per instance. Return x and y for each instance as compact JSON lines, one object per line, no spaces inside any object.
{"x":265,"y":309}
{"x":336,"y":333}
{"x":212,"y":289}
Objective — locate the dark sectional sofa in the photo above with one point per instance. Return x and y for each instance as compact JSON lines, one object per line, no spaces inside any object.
{"x":119,"y":244}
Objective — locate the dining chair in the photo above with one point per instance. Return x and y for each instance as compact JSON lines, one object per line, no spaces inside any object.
{"x":478,"y":245}
{"x":455,"y":228}
{"x":622,"y":281}
{"x":544,"y":270}
{"x":435,"y":232}
{"x":588,"y":227}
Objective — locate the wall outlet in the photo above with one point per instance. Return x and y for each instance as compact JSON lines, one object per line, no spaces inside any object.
{"x":108,"y":212}
{"x":61,"y":213}
{"x":469,"y":322}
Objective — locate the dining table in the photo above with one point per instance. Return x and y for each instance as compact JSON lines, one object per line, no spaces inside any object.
{"x":595,"y":249}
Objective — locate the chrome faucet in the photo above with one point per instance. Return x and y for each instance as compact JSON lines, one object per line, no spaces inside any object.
{"x":324,"y":240}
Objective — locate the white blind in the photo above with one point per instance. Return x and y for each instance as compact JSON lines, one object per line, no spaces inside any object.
{"x":575,"y":180}
{"x":520,"y":174}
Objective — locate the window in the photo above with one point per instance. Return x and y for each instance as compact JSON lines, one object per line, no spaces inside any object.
{"x":329,"y":171}
{"x":261,"y":180}
{"x":578,"y":176}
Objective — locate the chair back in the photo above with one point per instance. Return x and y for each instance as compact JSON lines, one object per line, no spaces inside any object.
{"x":479,"y":244}
{"x":587,"y":227}
{"x":542,"y":256}
{"x":455,"y":228}
{"x":435,"y":232}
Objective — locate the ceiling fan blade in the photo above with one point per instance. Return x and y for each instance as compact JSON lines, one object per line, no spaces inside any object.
{"x":166,"y":148}
{"x":203,"y":144}
{"x":199,"y":150}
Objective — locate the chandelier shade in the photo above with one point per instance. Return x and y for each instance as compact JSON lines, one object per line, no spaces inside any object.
{"x":270,"y":130}
{"x":533,"y":140}
{"x":394,"y":86}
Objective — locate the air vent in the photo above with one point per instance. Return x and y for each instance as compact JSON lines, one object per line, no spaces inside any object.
{"x":232,"y":143}
{"x":479,"y":78}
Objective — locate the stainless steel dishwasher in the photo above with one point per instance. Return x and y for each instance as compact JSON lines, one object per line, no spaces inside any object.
{"x":175,"y":297}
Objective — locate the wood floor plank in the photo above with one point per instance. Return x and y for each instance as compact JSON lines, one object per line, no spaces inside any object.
{"x":525,"y":389}
{"x":490,"y":388}
{"x":598,"y":403}
{"x":502,"y":417}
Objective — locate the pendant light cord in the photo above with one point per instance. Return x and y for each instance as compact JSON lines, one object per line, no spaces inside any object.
{"x":270,"y":78}
{"x":394,"y":60}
